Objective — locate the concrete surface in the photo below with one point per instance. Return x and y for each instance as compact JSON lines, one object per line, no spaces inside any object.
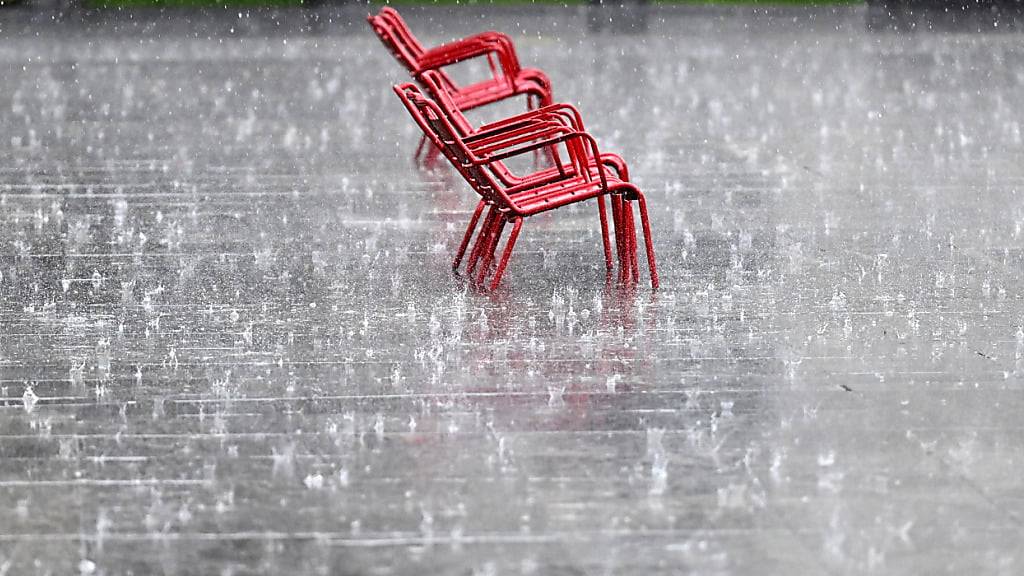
{"x":230,"y":343}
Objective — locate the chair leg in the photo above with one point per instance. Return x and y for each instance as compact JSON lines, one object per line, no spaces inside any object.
{"x":488,"y":256}
{"x":634,"y":267}
{"x":474,"y":252}
{"x":517,"y":225}
{"x":620,"y":237}
{"x":482,"y":238}
{"x":647,"y":241}
{"x":625,"y":218}
{"x":604,"y":233}
{"x":468,"y":235}
{"x":615,"y":223}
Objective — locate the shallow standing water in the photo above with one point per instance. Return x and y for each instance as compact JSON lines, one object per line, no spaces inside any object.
{"x":230,"y":343}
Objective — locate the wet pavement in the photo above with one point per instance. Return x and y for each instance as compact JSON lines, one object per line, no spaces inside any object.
{"x":230,"y":342}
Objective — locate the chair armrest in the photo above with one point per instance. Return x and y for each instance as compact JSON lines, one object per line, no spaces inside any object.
{"x":540,"y":124}
{"x":502,"y":41}
{"x":584,"y":154}
{"x":567,"y":110}
{"x":466,"y":49}
{"x":507,"y":145}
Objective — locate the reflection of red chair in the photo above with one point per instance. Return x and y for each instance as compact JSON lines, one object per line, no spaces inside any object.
{"x":582,"y":176}
{"x":507,"y":80}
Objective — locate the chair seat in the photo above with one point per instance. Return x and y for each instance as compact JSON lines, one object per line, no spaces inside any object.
{"x":564,"y":192}
{"x":551,"y":174}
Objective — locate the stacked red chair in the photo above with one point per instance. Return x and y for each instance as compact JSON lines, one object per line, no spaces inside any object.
{"x":578,"y":171}
{"x":508,"y":79}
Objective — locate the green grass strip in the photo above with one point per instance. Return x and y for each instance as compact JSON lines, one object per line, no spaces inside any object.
{"x":580,"y":2}
{"x":115,"y":4}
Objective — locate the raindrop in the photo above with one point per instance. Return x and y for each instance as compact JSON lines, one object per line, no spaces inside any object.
{"x":555,"y":399}
{"x":29,"y":399}
{"x":659,"y":461}
{"x":314,"y":481}
{"x":86,"y":567}
{"x":827,"y":459}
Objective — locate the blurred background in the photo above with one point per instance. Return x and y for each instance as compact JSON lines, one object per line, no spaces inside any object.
{"x":903,"y":15}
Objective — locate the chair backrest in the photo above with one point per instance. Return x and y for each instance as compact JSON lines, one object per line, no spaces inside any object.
{"x":402,"y":29}
{"x":396,"y":36}
{"x":435,"y":125}
{"x":435,"y":84}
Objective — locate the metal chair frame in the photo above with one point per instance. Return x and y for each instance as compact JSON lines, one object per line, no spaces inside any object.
{"x":508,"y":79}
{"x":587,"y":179}
{"x":531,"y":126}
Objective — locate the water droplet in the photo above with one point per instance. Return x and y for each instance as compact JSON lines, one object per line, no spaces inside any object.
{"x":314,"y":481}
{"x":29,"y":399}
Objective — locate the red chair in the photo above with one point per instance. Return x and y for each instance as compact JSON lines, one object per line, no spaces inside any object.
{"x":508,"y":78}
{"x":588,"y":179}
{"x":531,"y":126}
